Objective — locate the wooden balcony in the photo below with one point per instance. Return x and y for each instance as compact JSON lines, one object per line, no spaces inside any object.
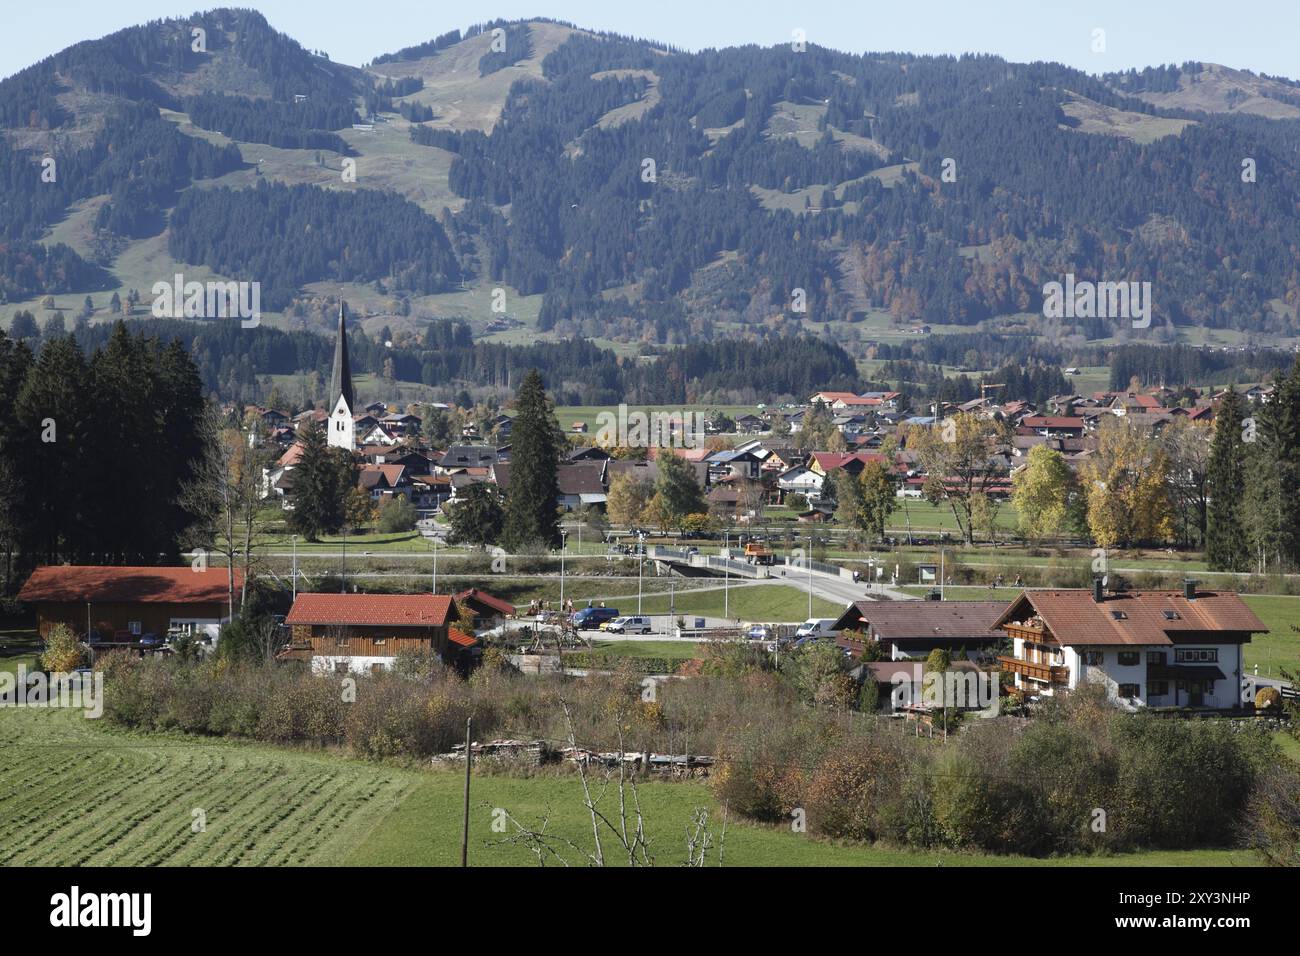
{"x":1040,"y":672}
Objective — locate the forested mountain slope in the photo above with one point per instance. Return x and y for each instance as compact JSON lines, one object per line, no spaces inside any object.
{"x":641,"y":193}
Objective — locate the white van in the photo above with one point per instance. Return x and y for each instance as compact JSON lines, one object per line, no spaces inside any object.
{"x":815,"y":628}
{"x":628,"y":625}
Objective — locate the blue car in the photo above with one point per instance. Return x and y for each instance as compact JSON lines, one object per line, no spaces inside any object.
{"x":591,"y":618}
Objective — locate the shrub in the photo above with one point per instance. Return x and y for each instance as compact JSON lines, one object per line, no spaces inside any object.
{"x":397,"y":514}
{"x":63,"y":652}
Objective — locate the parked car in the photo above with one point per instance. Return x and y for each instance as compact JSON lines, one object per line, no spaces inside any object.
{"x":591,"y":618}
{"x":629,"y":625}
{"x":815,"y":627}
{"x":759,"y":632}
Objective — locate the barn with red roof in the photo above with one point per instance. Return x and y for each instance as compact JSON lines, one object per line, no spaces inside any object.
{"x":126,"y":604}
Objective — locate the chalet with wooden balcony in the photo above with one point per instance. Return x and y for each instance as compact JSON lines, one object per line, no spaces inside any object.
{"x":1148,"y":648}
{"x":360,"y":633}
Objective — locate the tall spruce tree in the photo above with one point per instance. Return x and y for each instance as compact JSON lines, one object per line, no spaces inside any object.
{"x":53,"y":423}
{"x":531,"y":499}
{"x":15,"y":360}
{"x":1284,"y":415}
{"x":1226,"y":546}
{"x":319,"y":486}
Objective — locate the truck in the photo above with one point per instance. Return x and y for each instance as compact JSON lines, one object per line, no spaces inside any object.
{"x":758,"y":553}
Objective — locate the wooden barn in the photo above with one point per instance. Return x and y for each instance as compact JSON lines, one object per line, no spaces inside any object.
{"x":126,"y":604}
{"x":365,"y":632}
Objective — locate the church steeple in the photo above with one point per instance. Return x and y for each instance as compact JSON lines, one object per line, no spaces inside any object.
{"x":341,"y":377}
{"x":342,"y":427}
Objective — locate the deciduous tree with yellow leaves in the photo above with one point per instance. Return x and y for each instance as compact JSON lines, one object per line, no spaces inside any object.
{"x":1126,"y":483}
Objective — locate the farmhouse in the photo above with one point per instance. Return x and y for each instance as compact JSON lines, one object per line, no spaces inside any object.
{"x":1149,"y":648}
{"x":358,"y":633}
{"x":910,"y":630}
{"x":125,"y":604}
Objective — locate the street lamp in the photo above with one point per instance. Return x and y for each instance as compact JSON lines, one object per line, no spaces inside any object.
{"x":564,"y":536}
{"x":435,"y":558}
{"x":295,"y":567}
{"x":640,"y":561}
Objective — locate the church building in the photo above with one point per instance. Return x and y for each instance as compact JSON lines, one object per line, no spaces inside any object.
{"x":342,"y":427}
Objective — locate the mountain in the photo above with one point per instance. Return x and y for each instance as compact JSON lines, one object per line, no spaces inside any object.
{"x":538,"y":179}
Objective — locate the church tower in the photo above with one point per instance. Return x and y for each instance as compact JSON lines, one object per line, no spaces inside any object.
{"x":342,"y":428}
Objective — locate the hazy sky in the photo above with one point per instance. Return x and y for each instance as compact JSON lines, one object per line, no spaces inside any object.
{"x":1263,"y":36}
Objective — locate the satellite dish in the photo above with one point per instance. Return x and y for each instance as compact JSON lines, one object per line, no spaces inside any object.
{"x":1105,"y":580}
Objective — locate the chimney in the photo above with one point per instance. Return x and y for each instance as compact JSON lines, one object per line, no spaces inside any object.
{"x":1098,"y":590}
{"x":1189,"y":589}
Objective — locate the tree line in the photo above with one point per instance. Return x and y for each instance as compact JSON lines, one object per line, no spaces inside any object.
{"x":94,"y":450}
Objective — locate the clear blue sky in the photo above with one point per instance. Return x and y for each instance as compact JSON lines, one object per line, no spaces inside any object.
{"x":1263,"y":36}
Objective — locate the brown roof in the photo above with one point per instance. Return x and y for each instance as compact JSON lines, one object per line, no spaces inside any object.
{"x":927,"y":620}
{"x":475,"y":596}
{"x":1052,"y":421}
{"x":399,"y":610}
{"x":1073,"y":617}
{"x":96,"y":584}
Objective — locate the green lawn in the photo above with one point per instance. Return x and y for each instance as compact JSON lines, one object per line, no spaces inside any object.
{"x":673,"y":650}
{"x":77,"y":792}
{"x":11,"y":664}
{"x":425,"y":831}
{"x":1280,"y":648}
{"x":764,"y":603}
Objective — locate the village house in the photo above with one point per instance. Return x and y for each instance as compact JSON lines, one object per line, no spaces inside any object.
{"x":482,"y":610}
{"x":1148,"y":648}
{"x":126,"y":605}
{"x":360,"y":633}
{"x":910,"y":630}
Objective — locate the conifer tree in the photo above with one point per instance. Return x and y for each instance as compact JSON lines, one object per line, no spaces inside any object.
{"x":531,"y":499}
{"x":1226,"y":548}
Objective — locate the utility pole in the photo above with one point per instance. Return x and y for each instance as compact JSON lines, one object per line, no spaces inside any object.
{"x":435,"y":559}
{"x":726,"y":580}
{"x":564,"y":536}
{"x":344,"y":586}
{"x":295,"y":567}
{"x":469,"y":758}
{"x":810,"y":548}
{"x":640,"y":562}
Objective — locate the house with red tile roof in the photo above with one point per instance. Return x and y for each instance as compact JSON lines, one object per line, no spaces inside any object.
{"x":362,"y":633}
{"x":1147,"y":648}
{"x":124,"y":604}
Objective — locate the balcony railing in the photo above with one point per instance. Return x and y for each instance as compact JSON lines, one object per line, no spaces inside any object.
{"x":1040,"y":672}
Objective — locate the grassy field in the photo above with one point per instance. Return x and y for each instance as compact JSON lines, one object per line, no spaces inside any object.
{"x":1280,"y":648}
{"x":674,"y":650}
{"x":765,"y":603}
{"x":78,"y":793}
